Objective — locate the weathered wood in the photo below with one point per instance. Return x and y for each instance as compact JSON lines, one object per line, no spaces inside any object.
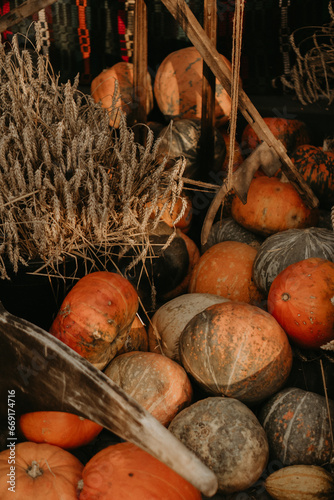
{"x":47,"y":375}
{"x":21,"y":12}
{"x":185,"y":17}
{"x":140,"y":64}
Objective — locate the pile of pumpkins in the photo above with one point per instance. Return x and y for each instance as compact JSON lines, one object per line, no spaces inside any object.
{"x":216,"y":360}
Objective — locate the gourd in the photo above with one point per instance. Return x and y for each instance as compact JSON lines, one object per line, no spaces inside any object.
{"x":236,"y":350}
{"x":156,"y":382}
{"x":58,"y":428}
{"x":42,"y":471}
{"x":226,"y":435}
{"x":280,"y":250}
{"x":297,"y":426}
{"x":136,"y":339}
{"x":227,"y":229}
{"x":96,"y":315}
{"x":178,"y":87}
{"x":125,"y":471}
{"x":301,"y":300}
{"x":175,"y":213}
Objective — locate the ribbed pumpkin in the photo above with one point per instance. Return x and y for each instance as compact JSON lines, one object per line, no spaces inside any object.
{"x":316,"y":166}
{"x":280,"y":250}
{"x":169,"y":320}
{"x":236,"y":350}
{"x":297,"y":427}
{"x":41,"y":471}
{"x":301,"y":298}
{"x":178,"y":87}
{"x":96,"y":315}
{"x":103,"y":89}
{"x":226,"y":435}
{"x":226,"y":269}
{"x":227,"y":229}
{"x":156,"y":382}
{"x":124,"y":471}
{"x":272,"y":206}
{"x":65,"y":430}
{"x":292,"y":133}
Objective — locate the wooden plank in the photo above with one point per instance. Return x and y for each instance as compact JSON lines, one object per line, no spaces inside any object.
{"x":185,"y":17}
{"x":140,"y":62}
{"x":21,"y":12}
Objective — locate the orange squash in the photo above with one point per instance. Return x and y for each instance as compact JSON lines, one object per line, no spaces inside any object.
{"x":301,"y":298}
{"x":38,"y":472}
{"x":62,"y":429}
{"x":175,"y":214}
{"x":236,"y":350}
{"x":226,"y":269}
{"x":103,"y":89}
{"x":96,"y":315}
{"x":272,"y":206}
{"x":125,"y":471}
{"x":156,"y":382}
{"x":178,"y":87}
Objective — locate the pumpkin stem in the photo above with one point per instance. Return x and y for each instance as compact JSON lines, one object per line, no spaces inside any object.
{"x":285,"y":297}
{"x":34,"y":470}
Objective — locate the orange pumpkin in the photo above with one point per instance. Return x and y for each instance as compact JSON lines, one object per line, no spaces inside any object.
{"x":103,"y":89}
{"x":137,"y":339}
{"x":225,"y":269}
{"x":272,"y":206}
{"x":236,"y":350}
{"x":96,"y":315}
{"x":125,"y":471}
{"x":62,"y":429}
{"x":32,"y":471}
{"x":178,"y":87}
{"x":176,"y":213}
{"x":301,"y":298}
{"x":237,"y":157}
{"x":156,"y":382}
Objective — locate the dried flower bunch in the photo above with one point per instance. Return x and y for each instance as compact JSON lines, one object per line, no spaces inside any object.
{"x":69,"y":183}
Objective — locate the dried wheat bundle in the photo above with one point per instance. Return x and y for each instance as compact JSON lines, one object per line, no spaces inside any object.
{"x":312,"y":75}
{"x":70,"y":184}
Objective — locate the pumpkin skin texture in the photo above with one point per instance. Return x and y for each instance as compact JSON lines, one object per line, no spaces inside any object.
{"x":272,"y":206}
{"x":226,"y":269}
{"x":96,"y":315}
{"x":157,"y":383}
{"x":236,"y":350}
{"x":300,"y":482}
{"x":301,"y":298}
{"x":292,"y":133}
{"x":137,"y":339}
{"x":316,"y":166}
{"x":65,"y":430}
{"x":124,"y":471}
{"x":225,"y":434}
{"x":169,"y":320}
{"x":178,"y":87}
{"x":297,"y":427}
{"x":42,"y":471}
{"x":227,"y":229}
{"x":280,"y":250}
{"x":178,"y":214}
{"x":103,"y":88}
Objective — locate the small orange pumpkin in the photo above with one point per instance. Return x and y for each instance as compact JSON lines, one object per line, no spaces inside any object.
{"x":175,"y":214}
{"x":62,"y":429}
{"x":32,"y":471}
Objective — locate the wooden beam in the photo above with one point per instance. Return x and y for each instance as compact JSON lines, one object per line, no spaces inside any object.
{"x":24,"y":10}
{"x":140,"y":62}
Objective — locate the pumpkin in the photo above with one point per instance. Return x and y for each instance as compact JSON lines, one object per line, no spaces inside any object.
{"x":300,"y":482}
{"x":272,"y":206}
{"x":178,"y":87}
{"x":291,"y":132}
{"x":227,"y":229}
{"x":227,"y":437}
{"x":182,"y":139}
{"x":125,"y":471}
{"x":297,"y":426}
{"x":62,"y":429}
{"x":316,"y":166}
{"x":32,"y":471}
{"x":237,"y":156}
{"x":236,"y":350}
{"x":280,"y":250}
{"x":169,"y":320}
{"x":119,"y":96}
{"x":137,"y":339}
{"x":301,"y":298}
{"x":175,"y":213}
{"x":156,"y":382}
{"x":96,"y":315}
{"x":226,"y":269}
